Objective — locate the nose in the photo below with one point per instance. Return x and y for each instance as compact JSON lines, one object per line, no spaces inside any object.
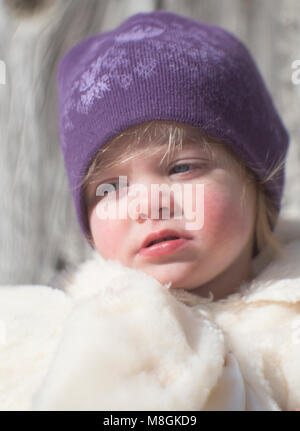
{"x":155,"y":201}
{"x":162,"y":214}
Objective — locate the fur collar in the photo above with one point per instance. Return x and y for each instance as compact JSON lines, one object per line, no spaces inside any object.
{"x":129,"y":332}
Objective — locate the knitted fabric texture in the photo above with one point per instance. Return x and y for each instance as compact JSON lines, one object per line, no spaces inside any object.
{"x":163,"y":66}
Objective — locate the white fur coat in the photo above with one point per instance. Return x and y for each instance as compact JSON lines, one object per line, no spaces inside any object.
{"x":116,"y":339}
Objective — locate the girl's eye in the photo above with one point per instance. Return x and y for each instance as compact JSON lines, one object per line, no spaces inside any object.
{"x":106,"y":192}
{"x":181,"y":168}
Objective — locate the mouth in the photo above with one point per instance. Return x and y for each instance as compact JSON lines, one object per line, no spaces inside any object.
{"x":162,"y":243}
{"x":171,"y":238}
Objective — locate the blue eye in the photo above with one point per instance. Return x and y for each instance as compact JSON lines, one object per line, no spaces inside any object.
{"x":106,"y":192}
{"x":180,"y":167}
{"x":114,"y":183}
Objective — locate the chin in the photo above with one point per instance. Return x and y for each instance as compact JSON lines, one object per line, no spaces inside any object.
{"x":178,"y":277}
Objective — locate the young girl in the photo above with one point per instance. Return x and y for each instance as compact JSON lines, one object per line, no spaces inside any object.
{"x":192,"y":312}
{"x":166,"y":69}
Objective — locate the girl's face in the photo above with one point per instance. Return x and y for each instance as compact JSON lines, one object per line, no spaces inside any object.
{"x":217,"y":256}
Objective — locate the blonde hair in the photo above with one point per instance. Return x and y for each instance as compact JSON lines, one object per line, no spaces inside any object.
{"x":120,"y":149}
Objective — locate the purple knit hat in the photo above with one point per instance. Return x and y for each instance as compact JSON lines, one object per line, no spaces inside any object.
{"x":163,"y":66}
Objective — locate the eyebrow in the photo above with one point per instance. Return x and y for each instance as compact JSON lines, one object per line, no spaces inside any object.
{"x":187,"y":147}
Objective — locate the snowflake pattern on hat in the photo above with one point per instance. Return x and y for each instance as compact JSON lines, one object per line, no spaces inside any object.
{"x":114,"y":68}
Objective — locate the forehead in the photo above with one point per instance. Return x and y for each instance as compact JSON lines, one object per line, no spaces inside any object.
{"x":150,"y":136}
{"x":121,"y":151}
{"x":123,"y":154}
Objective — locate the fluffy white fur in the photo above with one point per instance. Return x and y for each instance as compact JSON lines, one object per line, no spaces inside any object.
{"x":31,"y":319}
{"x":134,"y":346}
{"x":116,"y":339}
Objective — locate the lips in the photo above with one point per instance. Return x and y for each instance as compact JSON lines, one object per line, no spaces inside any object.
{"x":162,"y":235}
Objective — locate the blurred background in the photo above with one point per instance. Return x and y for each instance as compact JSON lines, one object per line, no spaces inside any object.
{"x":39,"y":234}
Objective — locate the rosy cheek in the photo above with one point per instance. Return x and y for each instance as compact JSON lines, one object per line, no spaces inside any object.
{"x":107,"y":235}
{"x":222,"y":213}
